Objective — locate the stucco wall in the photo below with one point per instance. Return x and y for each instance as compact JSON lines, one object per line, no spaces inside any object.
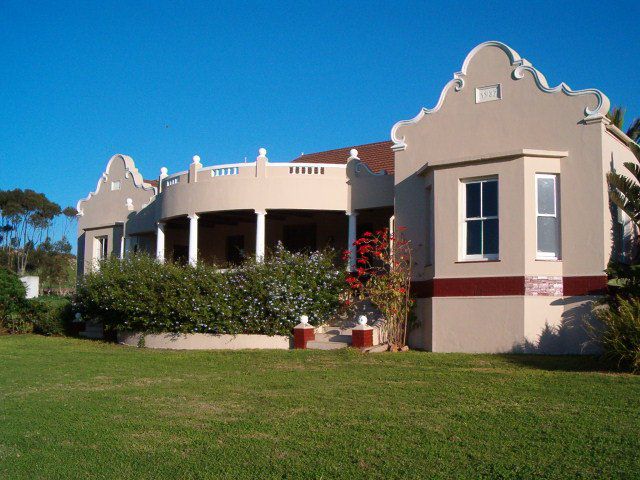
{"x":202,"y":341}
{"x":464,"y":138}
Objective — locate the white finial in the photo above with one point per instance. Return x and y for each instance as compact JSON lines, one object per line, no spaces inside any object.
{"x":262,"y":152}
{"x":354,"y":153}
{"x":130,"y":203}
{"x":164,"y":171}
{"x":196,"y":159}
{"x":362,"y":320}
{"x":78,"y":317}
{"x":304,"y":319}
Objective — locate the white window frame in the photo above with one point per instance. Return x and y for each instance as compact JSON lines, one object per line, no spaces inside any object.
{"x":101,"y":251}
{"x":464,"y":219}
{"x":115,"y":185}
{"x":556,"y":208}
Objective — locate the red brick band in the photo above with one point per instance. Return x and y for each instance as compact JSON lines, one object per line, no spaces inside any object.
{"x":303,"y":335}
{"x":505,"y":286}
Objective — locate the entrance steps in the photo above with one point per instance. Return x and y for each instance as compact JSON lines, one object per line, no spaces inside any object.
{"x":330,"y":338}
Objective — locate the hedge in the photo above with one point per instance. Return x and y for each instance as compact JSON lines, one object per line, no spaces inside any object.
{"x":140,"y":294}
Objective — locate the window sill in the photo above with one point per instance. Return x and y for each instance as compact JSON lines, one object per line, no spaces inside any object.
{"x":548,"y":260}
{"x":479,"y":260}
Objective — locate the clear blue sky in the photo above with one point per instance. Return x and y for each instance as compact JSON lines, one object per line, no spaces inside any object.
{"x":164,"y":80}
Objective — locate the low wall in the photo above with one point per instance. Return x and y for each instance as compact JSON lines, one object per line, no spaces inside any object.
{"x":205,"y":341}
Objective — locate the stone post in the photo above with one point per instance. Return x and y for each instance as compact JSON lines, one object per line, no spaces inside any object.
{"x":362,"y":335}
{"x":303,"y":333}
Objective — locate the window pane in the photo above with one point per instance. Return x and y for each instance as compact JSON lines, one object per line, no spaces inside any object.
{"x":490,"y":199}
{"x":490,"y":237}
{"x":474,"y":237}
{"x":548,"y":235}
{"x":473,"y":200}
{"x":546,"y":196}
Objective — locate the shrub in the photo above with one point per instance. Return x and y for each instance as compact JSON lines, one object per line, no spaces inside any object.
{"x":50,"y":315}
{"x":383,"y":276}
{"x":620,"y":335}
{"x":140,"y":294}
{"x":12,"y":301}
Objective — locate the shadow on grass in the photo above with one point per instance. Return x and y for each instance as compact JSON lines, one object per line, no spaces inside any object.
{"x":560,"y":363}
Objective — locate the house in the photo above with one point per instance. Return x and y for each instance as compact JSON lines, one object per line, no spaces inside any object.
{"x":501,"y":187}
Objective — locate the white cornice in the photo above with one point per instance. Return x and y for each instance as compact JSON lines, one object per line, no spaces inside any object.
{"x":129,"y":169}
{"x":521,"y":65}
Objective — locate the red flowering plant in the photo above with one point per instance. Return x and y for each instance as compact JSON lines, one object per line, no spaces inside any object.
{"x":382,"y":275}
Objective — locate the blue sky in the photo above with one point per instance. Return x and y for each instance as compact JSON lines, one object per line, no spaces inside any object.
{"x":164,"y":80}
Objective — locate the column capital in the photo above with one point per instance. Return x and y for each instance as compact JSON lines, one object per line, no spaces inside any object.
{"x":351,"y":213}
{"x":193,"y":216}
{"x":260,"y":212}
{"x":161,"y":224}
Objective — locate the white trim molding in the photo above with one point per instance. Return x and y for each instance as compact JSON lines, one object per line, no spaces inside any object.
{"x":521,"y":65}
{"x":129,"y":170}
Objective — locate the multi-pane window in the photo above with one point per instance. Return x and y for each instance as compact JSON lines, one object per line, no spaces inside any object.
{"x":547,"y":216}
{"x":115,"y":185}
{"x":481,"y":229}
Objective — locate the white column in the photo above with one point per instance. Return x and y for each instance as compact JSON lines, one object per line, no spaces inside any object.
{"x":260,"y":231}
{"x":160,"y":243}
{"x":351,"y":266}
{"x":193,"y":239}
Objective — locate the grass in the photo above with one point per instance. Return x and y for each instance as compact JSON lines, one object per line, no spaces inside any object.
{"x":80,"y":409}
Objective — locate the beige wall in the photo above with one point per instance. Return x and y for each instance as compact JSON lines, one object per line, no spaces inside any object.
{"x":258,"y":186}
{"x":105,"y":212}
{"x":465,"y":139}
{"x":202,"y":341}
{"x":530,"y":130}
{"x":264,"y":186}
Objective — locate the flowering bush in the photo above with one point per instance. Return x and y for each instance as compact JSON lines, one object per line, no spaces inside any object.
{"x":140,"y":294}
{"x":383,"y":275}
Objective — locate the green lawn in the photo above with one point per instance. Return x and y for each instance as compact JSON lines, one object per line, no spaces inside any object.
{"x":80,"y":409}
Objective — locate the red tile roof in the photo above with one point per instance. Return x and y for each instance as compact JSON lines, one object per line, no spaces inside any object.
{"x":153,"y":183}
{"x":378,"y":156}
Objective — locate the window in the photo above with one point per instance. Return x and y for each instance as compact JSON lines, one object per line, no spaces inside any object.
{"x":101,"y":248}
{"x":480,"y":228}
{"x":623,"y":234}
{"x":430,"y":238}
{"x":547,"y":216}
{"x":115,"y":185}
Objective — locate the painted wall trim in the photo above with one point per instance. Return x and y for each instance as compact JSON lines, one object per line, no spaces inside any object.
{"x":502,"y":286}
{"x":499,"y":156}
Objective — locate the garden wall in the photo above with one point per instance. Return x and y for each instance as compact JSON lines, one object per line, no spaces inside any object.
{"x":205,"y":341}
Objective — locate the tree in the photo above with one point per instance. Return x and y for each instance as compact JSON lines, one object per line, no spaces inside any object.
{"x":624,"y":192}
{"x":30,"y":215}
{"x":70,"y":215}
{"x":616,"y":115}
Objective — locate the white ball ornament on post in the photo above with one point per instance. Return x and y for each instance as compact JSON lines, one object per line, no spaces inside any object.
{"x":304,"y":319}
{"x":362,"y":320}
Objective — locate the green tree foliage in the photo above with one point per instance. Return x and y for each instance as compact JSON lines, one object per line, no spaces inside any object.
{"x":12,"y":301}
{"x":26,"y":218}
